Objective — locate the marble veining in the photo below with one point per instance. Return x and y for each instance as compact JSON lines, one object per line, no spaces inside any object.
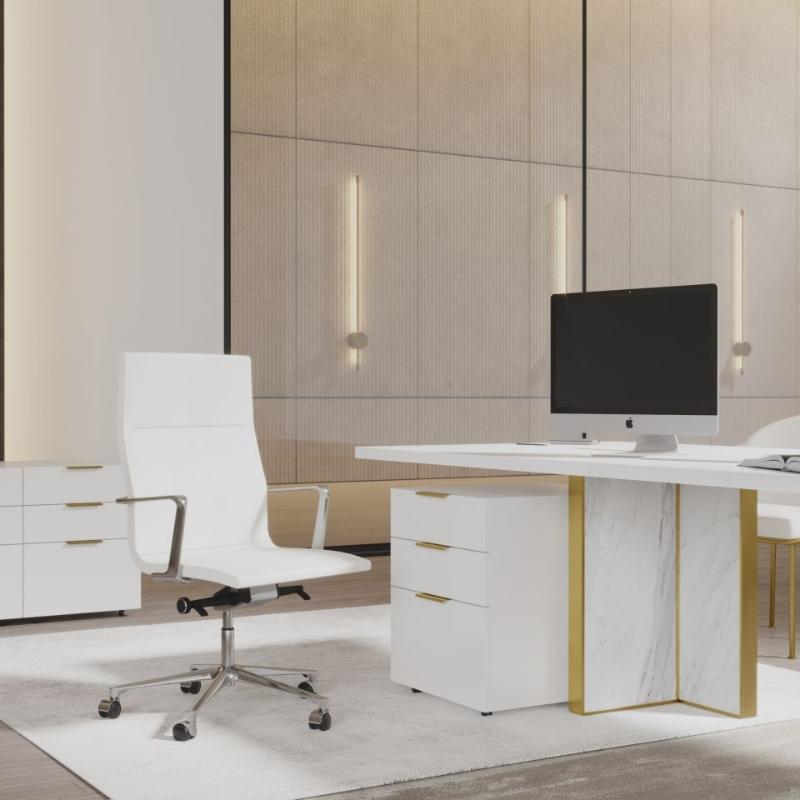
{"x":710,"y":596}
{"x":629,"y":593}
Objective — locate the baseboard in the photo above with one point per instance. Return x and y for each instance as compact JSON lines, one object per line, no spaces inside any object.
{"x":369,"y":549}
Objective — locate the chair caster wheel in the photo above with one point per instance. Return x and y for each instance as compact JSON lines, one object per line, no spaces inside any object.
{"x":183,"y":731}
{"x":486,"y":713}
{"x":109,"y":709}
{"x":417,"y":691}
{"x":305,"y":686}
{"x":192,"y":687}
{"x":320,"y":720}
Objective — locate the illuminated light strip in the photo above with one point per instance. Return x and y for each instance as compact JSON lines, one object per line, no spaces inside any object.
{"x":356,"y":339}
{"x":561,"y":244}
{"x":741,"y":348}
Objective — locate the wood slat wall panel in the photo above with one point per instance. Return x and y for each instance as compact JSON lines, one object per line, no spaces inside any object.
{"x":263,"y":78}
{"x":388,"y":365}
{"x":263,"y":259}
{"x":329,"y":430}
{"x":474,"y":77}
{"x":556,"y":85}
{"x":474,"y":277}
{"x":357,"y":71}
{"x":460,"y":250}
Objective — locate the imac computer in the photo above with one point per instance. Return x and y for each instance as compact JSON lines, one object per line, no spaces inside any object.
{"x":641,"y":361}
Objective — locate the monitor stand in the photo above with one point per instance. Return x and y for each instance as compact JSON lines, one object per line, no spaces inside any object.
{"x":655,"y":443}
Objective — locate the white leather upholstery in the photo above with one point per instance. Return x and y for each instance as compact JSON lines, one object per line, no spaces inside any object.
{"x":778,"y":521}
{"x":186,"y":428}
{"x":779,"y":512}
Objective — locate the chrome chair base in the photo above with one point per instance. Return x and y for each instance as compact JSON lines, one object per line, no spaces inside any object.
{"x":226,"y":673}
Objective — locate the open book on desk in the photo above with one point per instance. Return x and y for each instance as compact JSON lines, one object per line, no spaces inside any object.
{"x":787,"y":463}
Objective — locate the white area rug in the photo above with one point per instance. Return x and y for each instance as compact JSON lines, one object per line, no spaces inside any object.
{"x":254,"y":744}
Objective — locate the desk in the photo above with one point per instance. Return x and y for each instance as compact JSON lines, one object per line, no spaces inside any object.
{"x":662,"y":566}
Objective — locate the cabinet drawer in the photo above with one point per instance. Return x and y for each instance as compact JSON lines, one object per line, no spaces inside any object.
{"x":11,"y":581}
{"x":74,"y":579}
{"x":432,"y":516}
{"x":61,"y":523}
{"x":441,"y":570}
{"x":440,"y":648}
{"x":10,"y":525}
{"x":72,"y":485}
{"x":10,"y":486}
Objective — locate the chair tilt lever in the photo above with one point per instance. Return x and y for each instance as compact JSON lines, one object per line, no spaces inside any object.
{"x":236,"y":597}
{"x":296,"y":589}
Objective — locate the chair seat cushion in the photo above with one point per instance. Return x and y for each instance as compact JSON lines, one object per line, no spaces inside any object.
{"x":778,"y":521}
{"x":260,"y":564}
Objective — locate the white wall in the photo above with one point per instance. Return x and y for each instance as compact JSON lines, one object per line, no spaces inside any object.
{"x":113,"y":206}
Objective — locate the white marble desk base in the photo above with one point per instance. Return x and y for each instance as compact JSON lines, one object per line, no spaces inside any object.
{"x":662,"y":596}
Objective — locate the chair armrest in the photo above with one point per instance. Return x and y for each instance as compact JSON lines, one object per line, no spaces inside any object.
{"x":321,"y":521}
{"x":173,"y":571}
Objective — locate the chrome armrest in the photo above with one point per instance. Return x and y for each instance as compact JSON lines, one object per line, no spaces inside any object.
{"x":173,"y":570}
{"x":321,"y":522}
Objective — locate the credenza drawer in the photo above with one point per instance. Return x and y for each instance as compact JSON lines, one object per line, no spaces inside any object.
{"x":10,"y":525}
{"x":72,"y":484}
{"x":440,"y":517}
{"x":440,"y":648}
{"x":67,"y":522}
{"x":10,"y":581}
{"x":10,"y":486}
{"x":441,"y":570}
{"x":61,"y":578}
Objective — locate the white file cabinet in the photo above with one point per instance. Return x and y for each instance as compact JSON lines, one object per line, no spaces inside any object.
{"x":64,"y":541}
{"x":479,"y":594}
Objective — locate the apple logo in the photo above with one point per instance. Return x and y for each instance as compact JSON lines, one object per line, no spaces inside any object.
{"x":629,"y":422}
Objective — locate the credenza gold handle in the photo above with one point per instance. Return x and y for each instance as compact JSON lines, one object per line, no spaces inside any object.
{"x":84,"y":541}
{"x":92,"y":504}
{"x":84,"y":466}
{"x":440,"y":495}
{"x":432,"y":545}
{"x":434,"y":598}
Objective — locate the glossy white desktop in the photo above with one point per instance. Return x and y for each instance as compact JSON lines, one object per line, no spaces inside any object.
{"x":662,"y":575}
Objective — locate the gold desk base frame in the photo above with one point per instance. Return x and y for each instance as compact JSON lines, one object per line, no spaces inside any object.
{"x":748,"y":517}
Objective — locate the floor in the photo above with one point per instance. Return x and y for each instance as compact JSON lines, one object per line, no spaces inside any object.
{"x":752,"y":764}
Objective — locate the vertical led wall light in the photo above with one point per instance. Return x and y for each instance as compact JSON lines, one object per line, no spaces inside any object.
{"x":356,"y":340}
{"x":741,"y":348}
{"x":560,"y":239}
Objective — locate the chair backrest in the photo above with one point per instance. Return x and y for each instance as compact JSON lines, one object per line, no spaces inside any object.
{"x":781,"y":435}
{"x":186,"y":427}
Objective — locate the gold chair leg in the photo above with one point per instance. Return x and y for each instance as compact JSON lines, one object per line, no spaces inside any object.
{"x":792,"y":601}
{"x":773,"y":569}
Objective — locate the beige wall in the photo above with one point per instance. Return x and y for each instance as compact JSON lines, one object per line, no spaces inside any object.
{"x":463,"y":119}
{"x":693,"y":115}
{"x":114,"y":189}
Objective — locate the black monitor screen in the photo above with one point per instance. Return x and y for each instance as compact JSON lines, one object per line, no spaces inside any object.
{"x":637,"y":351}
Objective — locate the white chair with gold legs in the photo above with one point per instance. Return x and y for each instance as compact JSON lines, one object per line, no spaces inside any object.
{"x":198,"y":511}
{"x":779,"y":518}
{"x":780,"y":525}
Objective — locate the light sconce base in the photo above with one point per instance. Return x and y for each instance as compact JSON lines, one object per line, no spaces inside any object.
{"x":742,"y":348}
{"x":357,"y":340}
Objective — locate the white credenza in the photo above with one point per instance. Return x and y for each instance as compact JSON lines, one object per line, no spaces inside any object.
{"x":64,"y":541}
{"x":479,"y":594}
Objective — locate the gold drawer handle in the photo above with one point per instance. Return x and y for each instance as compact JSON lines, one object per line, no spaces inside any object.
{"x":84,"y":466}
{"x":433,"y":545}
{"x":93,"y":504}
{"x":440,"y":495}
{"x":434,"y":598}
{"x":84,"y":541}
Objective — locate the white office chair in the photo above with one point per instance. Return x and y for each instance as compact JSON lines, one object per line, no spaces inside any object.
{"x":779,"y":518}
{"x":198,"y":511}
